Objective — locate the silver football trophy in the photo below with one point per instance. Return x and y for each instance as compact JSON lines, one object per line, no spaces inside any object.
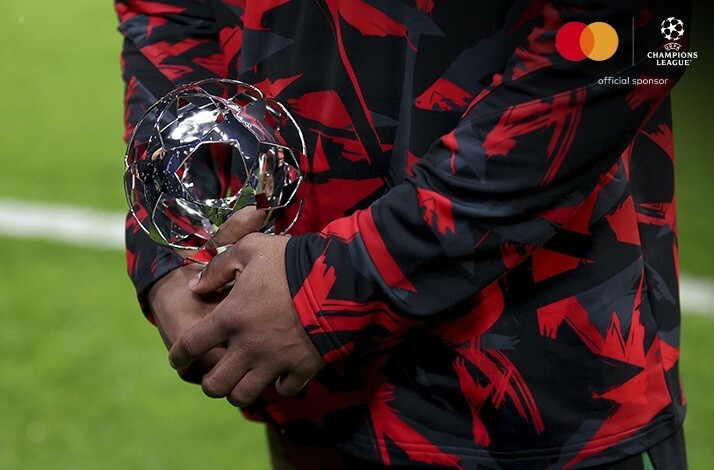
{"x":196,"y":157}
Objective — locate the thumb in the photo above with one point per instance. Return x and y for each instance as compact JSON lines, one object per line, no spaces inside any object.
{"x":247,"y":220}
{"x":221,"y":271}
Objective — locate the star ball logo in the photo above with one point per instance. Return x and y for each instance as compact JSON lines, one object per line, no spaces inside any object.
{"x":597,"y":41}
{"x":672,"y":30}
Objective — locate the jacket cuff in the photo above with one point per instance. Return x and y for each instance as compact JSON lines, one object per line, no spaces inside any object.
{"x":300,"y":273}
{"x":146,"y":263}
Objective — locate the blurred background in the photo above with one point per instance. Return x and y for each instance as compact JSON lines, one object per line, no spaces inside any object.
{"x":84,"y":380}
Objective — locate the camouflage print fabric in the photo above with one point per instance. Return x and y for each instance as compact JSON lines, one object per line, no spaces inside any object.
{"x":487,"y":257}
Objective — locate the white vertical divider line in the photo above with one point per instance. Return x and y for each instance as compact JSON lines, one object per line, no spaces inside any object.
{"x":633,"y":41}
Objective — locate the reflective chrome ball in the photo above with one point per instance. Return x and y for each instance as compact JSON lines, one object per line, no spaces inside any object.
{"x":196,"y":157}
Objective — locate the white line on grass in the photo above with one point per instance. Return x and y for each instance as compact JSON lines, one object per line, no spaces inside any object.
{"x":697,"y":295}
{"x":96,"y":229}
{"x":64,"y":224}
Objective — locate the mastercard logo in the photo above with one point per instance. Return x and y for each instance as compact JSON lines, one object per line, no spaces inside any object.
{"x":597,"y":41}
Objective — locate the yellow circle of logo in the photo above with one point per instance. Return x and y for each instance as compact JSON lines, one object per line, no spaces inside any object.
{"x":597,"y":41}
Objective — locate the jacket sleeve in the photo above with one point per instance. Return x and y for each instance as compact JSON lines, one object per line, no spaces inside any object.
{"x":166,"y":44}
{"x":517,"y":168}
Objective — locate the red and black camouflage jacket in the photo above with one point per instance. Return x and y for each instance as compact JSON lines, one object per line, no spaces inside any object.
{"x":487,"y":258}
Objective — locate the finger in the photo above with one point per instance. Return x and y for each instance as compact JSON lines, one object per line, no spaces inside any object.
{"x":249,"y":388}
{"x":196,"y":342}
{"x":223,"y":378}
{"x":220,"y":272}
{"x":198,"y":369}
{"x":247,"y":220}
{"x":213,"y":357}
{"x":290,"y":384}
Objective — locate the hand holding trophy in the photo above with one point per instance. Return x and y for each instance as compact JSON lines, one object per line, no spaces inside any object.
{"x":196,"y":163}
{"x":196,"y":158}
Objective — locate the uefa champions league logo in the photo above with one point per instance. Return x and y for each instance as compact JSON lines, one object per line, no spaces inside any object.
{"x":672,"y":29}
{"x":672,"y":53}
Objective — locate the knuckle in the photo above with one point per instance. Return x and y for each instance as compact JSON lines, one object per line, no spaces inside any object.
{"x":213,"y":387}
{"x":213,"y":356}
{"x":250,"y":237}
{"x":251,"y":345}
{"x":249,"y":241}
{"x":228,"y":322}
{"x":188,"y":346}
{"x":247,"y":391}
{"x":241,"y":397}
